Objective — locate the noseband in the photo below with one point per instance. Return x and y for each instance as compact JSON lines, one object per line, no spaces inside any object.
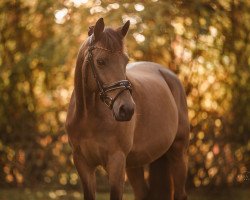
{"x":122,"y":85}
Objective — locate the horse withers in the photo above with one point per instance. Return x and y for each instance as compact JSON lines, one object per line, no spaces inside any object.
{"x":127,"y":116}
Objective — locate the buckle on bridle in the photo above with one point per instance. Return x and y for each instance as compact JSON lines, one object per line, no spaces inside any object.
{"x":122,"y":85}
{"x":109,"y":101}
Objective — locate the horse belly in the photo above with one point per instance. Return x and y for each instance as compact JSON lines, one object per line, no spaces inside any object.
{"x":149,"y":149}
{"x":156,"y":124}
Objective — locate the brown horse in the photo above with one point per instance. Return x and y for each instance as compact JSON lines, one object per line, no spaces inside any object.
{"x":145,"y":121}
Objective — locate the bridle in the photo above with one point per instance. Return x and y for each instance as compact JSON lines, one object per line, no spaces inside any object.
{"x":123,"y":85}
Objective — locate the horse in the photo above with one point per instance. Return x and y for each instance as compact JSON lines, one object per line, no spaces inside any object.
{"x":125,"y":117}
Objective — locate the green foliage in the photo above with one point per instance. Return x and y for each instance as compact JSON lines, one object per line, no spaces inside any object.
{"x":205,"y":42}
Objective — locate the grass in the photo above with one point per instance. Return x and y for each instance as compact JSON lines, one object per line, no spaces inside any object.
{"x":42,"y":194}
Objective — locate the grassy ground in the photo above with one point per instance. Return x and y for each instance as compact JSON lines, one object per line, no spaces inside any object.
{"x":28,"y":194}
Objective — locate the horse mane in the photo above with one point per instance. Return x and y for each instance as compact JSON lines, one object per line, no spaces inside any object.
{"x":78,"y":83}
{"x":110,"y":39}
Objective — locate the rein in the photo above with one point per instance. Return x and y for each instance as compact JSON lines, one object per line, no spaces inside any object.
{"x":122,"y":85}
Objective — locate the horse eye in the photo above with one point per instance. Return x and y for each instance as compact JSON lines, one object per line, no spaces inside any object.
{"x":100,"y":62}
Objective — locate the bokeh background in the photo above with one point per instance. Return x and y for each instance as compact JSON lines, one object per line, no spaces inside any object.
{"x":207,"y":43}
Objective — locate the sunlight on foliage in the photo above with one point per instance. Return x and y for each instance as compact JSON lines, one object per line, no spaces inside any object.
{"x":207,"y":43}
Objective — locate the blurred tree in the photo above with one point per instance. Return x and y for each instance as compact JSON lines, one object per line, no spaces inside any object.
{"x":205,"y":42}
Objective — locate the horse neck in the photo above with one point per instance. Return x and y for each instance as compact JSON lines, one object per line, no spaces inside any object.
{"x":95,"y":109}
{"x":79,"y":84}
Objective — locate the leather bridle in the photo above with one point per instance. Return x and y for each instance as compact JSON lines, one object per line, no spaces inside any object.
{"x":122,"y":85}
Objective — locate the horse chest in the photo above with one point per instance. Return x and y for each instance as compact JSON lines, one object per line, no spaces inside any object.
{"x":93,"y":151}
{"x":94,"y":147}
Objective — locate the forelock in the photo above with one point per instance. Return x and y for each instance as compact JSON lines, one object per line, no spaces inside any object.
{"x":111,"y":40}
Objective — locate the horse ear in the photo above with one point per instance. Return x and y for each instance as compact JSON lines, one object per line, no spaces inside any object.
{"x":124,"y":29}
{"x":98,"y":29}
{"x":91,"y":30}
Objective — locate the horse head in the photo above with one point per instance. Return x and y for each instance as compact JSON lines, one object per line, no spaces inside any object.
{"x":106,"y":60}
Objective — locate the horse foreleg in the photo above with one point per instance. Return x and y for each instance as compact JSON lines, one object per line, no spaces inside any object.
{"x":87,"y":176}
{"x":177,"y":156}
{"x":116,"y":172}
{"x":138,"y":183}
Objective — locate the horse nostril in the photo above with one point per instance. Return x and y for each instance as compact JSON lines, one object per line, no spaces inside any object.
{"x":126,"y":112}
{"x":122,"y":111}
